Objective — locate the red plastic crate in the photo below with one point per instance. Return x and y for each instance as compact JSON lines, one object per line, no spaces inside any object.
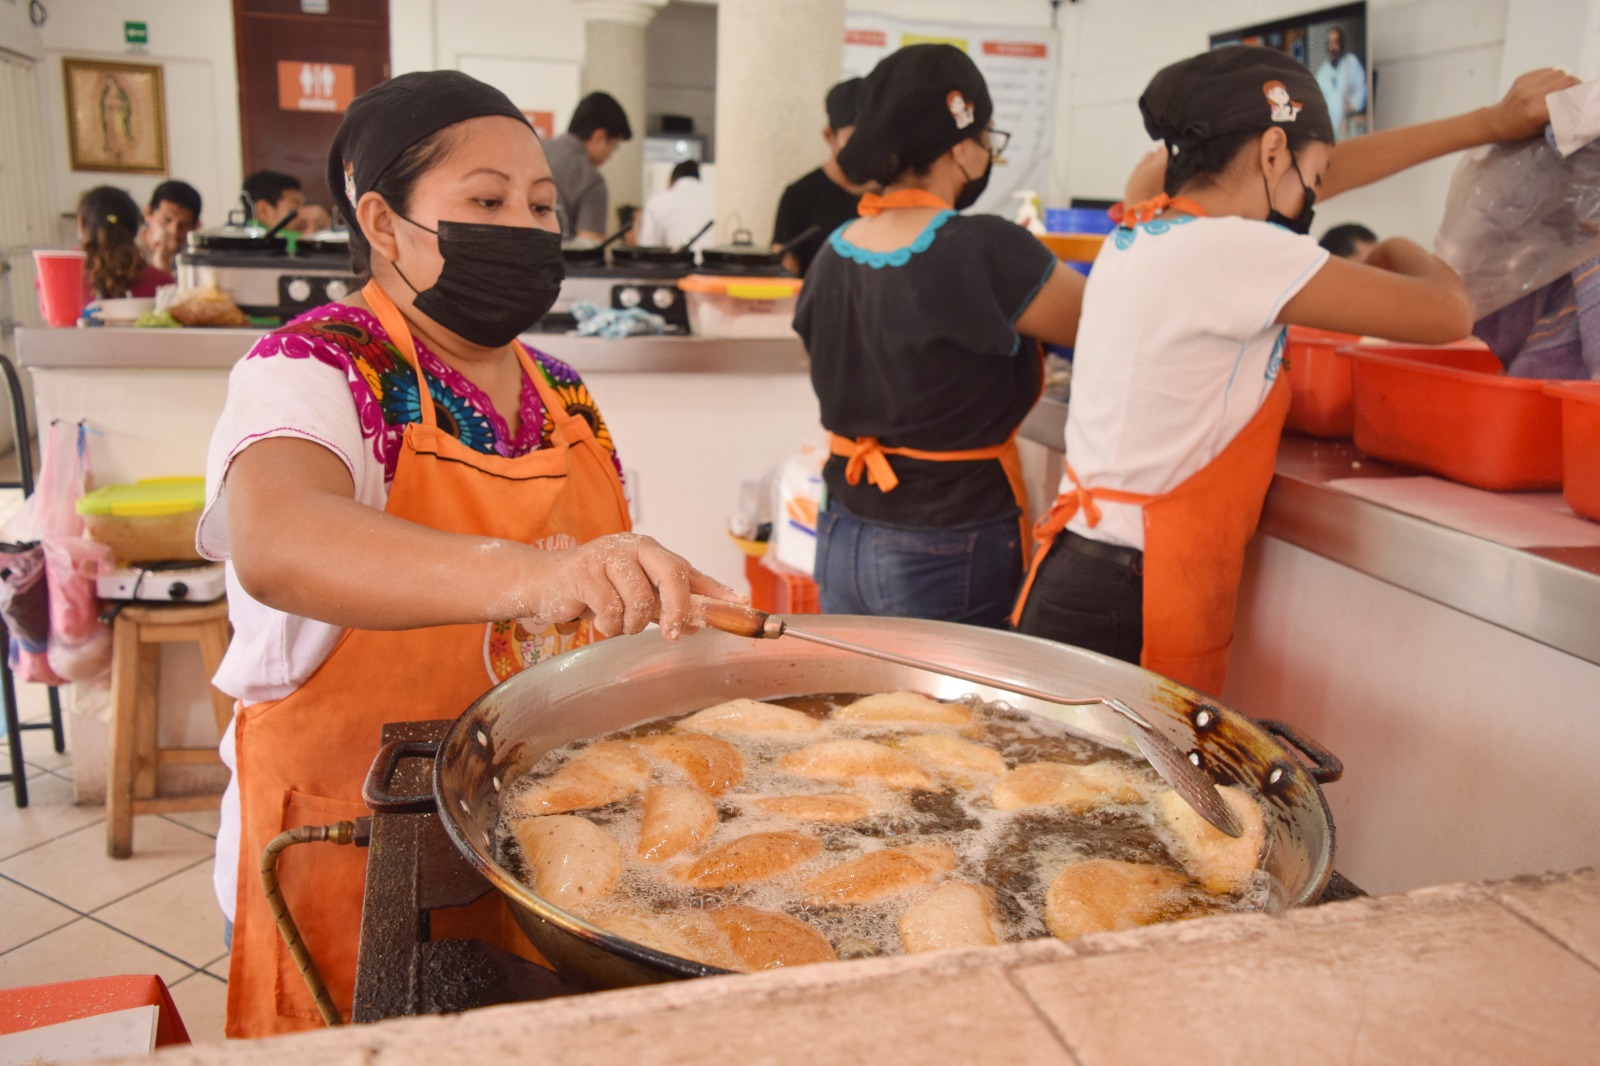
{"x":1320,"y":402}
{"x":1453,"y":412}
{"x":782,"y":591}
{"x":1580,"y":444}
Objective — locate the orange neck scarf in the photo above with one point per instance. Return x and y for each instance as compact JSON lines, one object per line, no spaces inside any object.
{"x":874,"y":204}
{"x":1149,"y":209}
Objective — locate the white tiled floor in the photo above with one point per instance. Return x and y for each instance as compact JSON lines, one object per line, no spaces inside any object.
{"x":67,"y":911}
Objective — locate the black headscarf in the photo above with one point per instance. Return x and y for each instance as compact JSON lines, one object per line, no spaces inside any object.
{"x":384,"y":121}
{"x":915,"y":106}
{"x":1234,"y":90}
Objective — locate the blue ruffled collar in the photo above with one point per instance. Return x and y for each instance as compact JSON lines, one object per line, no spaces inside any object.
{"x":897,"y":258}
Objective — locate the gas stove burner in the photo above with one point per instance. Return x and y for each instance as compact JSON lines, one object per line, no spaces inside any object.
{"x":177,"y":581}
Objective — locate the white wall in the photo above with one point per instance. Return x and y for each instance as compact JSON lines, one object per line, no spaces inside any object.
{"x":193,"y":43}
{"x":1433,"y":58}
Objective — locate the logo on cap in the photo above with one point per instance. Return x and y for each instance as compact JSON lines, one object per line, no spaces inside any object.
{"x":350,"y":183}
{"x":960,"y":110}
{"x":1283,"y":108}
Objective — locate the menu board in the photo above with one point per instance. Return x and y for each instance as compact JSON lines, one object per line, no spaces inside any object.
{"x":1018,"y":63}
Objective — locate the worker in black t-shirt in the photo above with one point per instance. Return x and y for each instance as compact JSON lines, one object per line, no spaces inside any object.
{"x":924,"y":327}
{"x":824,"y":198}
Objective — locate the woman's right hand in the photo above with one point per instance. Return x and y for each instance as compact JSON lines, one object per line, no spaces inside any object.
{"x":623,"y":582}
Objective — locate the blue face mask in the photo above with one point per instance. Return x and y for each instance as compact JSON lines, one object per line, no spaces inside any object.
{"x":1300,"y":223}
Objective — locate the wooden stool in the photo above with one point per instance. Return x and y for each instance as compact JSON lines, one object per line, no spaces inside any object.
{"x":136,"y":754}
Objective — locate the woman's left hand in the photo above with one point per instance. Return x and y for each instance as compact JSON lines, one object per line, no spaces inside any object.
{"x":1522,"y":113}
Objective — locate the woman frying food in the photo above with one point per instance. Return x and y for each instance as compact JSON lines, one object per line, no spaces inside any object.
{"x":413,"y":505}
{"x":1177,"y":397}
{"x":923,"y":328}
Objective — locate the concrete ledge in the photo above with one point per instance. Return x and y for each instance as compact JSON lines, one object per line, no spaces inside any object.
{"x":1491,"y":973}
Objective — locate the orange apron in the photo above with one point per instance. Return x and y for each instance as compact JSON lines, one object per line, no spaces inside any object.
{"x":1194,"y":534}
{"x":1194,"y":542}
{"x":866,"y":453}
{"x":302,"y":759}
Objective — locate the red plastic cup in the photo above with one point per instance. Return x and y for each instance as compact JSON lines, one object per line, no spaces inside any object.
{"x":60,"y":286}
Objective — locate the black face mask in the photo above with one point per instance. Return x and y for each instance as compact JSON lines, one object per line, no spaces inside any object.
{"x":973,"y":188}
{"x":1300,"y":223}
{"x":497,"y":281}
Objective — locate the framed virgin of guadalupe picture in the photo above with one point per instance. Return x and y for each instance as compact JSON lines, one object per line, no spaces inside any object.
{"x":116,"y":116}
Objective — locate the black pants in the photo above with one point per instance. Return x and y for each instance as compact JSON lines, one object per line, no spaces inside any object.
{"x":1089,"y":595}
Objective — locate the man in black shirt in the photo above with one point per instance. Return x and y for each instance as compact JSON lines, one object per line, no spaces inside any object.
{"x":823,"y":198}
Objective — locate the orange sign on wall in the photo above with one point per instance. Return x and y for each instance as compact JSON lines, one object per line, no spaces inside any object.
{"x":544,"y":123}
{"x":1016,"y":49}
{"x":315,"y":86}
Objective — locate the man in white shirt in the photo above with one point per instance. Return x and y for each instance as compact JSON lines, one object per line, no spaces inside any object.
{"x":670,"y":218}
{"x":1343,"y":81}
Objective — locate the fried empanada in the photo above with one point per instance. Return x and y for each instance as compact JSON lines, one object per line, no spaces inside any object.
{"x":950,"y":753}
{"x":883,"y":873}
{"x":573,"y":862}
{"x":855,"y":760}
{"x":829,"y":807}
{"x":1222,"y":864}
{"x":766,"y":940}
{"x":754,"y":857}
{"x":1104,"y":894}
{"x":954,"y":915}
{"x":749,"y":716}
{"x":675,"y":820}
{"x":602,"y":773}
{"x":905,"y":707}
{"x":712,"y":763}
{"x":1078,"y":788}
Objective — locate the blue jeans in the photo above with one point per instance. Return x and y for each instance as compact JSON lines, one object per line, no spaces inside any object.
{"x":965,"y":574}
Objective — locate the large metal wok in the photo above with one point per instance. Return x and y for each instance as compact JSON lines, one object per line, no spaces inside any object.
{"x":618,"y":683}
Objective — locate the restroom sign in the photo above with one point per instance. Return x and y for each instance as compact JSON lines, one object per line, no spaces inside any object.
{"x":315,"y":86}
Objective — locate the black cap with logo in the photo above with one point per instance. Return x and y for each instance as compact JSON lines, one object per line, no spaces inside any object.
{"x":916,"y":105}
{"x":1234,"y":90}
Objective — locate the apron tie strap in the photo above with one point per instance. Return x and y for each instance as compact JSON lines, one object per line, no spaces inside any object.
{"x":866,"y":453}
{"x":1051,"y":524}
{"x":869,"y":454}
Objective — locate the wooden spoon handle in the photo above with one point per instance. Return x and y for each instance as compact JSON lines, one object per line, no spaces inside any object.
{"x":735,"y":618}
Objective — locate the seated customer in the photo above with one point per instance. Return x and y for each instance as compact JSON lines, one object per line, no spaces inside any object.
{"x":108,"y":225}
{"x":273,"y":194}
{"x":173,"y":214}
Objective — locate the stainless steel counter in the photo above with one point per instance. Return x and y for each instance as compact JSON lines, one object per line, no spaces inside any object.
{"x":1551,"y":595}
{"x":219,"y":349}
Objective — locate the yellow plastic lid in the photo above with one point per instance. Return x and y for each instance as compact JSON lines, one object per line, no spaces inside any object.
{"x":154,"y":497}
{"x":741,"y":286}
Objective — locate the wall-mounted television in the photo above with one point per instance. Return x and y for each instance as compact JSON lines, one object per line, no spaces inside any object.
{"x":1333,"y":42}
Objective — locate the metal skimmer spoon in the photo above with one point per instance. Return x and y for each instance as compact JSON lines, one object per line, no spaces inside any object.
{"x":1186,"y":779}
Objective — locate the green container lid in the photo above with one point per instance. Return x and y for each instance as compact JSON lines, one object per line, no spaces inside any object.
{"x":155,"y":497}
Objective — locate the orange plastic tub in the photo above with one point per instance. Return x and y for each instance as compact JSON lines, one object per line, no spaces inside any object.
{"x":1320,"y":396}
{"x":1453,"y":412}
{"x":1580,"y":444}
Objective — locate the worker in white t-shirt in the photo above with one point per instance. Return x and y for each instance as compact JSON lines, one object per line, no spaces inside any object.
{"x":671,"y":218}
{"x":1177,"y":395}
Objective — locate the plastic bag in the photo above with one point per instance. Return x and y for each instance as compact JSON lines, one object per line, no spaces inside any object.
{"x":25,"y":607}
{"x":80,"y":644}
{"x":797,"y":499}
{"x":1519,"y":216}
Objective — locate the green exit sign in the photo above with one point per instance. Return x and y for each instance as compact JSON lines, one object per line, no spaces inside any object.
{"x":135,"y":33}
